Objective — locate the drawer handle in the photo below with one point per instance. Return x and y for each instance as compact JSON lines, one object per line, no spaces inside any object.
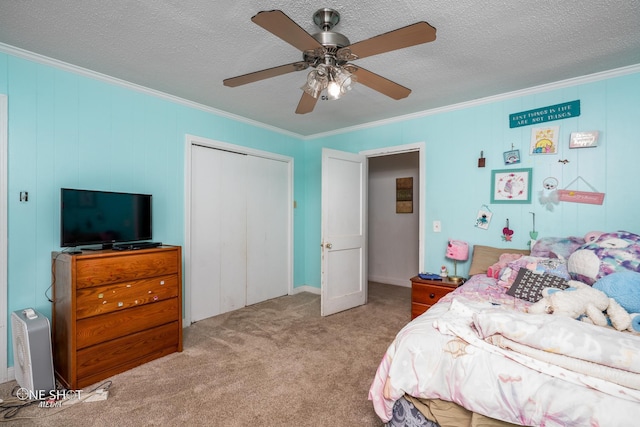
{"x":161,"y":282}
{"x":432,"y":295}
{"x":120,"y":304}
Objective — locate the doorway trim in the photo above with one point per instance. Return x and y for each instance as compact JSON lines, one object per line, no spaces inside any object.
{"x":190,"y":141}
{"x":4,"y":328}
{"x":420,"y":147}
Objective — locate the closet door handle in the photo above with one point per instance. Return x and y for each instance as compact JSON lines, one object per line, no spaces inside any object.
{"x":328,"y":245}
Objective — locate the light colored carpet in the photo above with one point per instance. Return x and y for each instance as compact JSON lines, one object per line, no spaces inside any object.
{"x":276,"y":363}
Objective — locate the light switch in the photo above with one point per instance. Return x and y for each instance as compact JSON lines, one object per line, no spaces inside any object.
{"x":437,"y":227}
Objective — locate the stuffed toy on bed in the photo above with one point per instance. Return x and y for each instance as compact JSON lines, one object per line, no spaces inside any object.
{"x":583,"y":302}
{"x":503,"y":262}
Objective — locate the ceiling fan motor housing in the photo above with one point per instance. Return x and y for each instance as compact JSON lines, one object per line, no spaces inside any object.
{"x":332,"y":41}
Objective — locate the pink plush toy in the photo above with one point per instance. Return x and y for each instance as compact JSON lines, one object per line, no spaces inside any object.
{"x":505,"y":259}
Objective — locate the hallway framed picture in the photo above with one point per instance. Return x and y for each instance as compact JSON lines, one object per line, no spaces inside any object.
{"x":511,"y":185}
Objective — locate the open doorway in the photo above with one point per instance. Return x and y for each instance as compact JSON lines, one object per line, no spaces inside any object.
{"x":344,"y":290}
{"x":393,"y":221}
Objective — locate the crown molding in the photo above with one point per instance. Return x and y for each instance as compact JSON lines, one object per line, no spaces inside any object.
{"x":617,"y":72}
{"x":41,"y":59}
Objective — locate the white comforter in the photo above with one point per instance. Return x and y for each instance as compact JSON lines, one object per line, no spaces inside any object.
{"x":478,"y":349}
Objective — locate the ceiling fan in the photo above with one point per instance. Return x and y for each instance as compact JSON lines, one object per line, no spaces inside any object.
{"x":329,"y":54}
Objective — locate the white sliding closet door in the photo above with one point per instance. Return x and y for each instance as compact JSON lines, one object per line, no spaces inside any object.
{"x":218,"y":232}
{"x":267,"y":229}
{"x":239,"y":230}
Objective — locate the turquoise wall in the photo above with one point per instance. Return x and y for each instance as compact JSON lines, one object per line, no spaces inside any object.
{"x":455,"y":188}
{"x":69,"y":130}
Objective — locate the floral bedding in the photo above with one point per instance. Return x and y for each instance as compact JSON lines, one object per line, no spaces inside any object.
{"x":478,"y":348}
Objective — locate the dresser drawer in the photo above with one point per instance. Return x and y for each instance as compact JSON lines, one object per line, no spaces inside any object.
{"x":108,"y":298}
{"x":110,"y":355}
{"x":95,"y":271}
{"x":428,"y":294}
{"x":98,"y":329}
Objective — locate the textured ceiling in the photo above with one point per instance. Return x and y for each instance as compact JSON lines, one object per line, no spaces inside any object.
{"x":186,"y":49}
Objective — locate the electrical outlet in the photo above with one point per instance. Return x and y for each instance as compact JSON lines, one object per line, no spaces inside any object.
{"x":437,"y":227}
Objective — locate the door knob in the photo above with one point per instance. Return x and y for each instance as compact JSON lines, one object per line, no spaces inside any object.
{"x":328,"y":245}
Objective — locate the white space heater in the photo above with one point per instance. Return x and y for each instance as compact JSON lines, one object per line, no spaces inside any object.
{"x":32,"y":355}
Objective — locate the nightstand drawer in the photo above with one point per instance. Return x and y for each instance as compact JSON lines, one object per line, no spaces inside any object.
{"x":428,"y":294}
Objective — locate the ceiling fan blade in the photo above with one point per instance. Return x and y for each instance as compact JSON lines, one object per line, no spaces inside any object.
{"x":279,"y":24}
{"x":265,"y":74}
{"x":380,"y":84}
{"x":307,"y":103}
{"x":411,"y":35}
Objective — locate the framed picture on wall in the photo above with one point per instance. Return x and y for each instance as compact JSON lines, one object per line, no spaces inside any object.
{"x":511,"y":186}
{"x":511,"y":157}
{"x":544,"y":140}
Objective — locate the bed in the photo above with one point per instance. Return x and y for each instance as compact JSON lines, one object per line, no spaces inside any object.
{"x":478,"y":358}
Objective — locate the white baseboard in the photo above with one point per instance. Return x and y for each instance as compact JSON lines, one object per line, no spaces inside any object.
{"x":305,"y":288}
{"x":406,"y":282}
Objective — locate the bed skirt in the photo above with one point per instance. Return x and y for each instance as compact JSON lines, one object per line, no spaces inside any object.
{"x":415,"y":412}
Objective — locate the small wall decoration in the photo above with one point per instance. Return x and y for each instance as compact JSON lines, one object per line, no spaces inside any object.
{"x":404,"y":195}
{"x":548,"y":196}
{"x":544,"y":140}
{"x":583,"y":139}
{"x":481,"y":160}
{"x":511,"y":186}
{"x":484,"y":217}
{"x":533,"y":233}
{"x":575,"y":196}
{"x":507,"y":233}
{"x":511,"y":157}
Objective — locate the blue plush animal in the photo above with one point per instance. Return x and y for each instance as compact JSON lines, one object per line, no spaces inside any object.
{"x":624,"y":287}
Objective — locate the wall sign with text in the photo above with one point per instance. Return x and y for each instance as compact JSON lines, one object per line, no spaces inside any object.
{"x":566,"y":110}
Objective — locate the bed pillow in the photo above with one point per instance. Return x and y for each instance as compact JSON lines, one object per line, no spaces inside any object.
{"x":610,"y":253}
{"x":553,"y":266}
{"x":485,"y":256}
{"x":556,"y":247}
{"x":528,"y":285}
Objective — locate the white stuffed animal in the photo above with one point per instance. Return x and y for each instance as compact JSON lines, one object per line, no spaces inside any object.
{"x":581,"y":301}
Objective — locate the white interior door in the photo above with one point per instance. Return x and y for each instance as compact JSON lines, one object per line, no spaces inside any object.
{"x":268,"y":212}
{"x":219,"y":233}
{"x":344,"y":202}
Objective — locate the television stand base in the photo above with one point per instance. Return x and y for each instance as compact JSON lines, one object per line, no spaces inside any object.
{"x":104,"y":246}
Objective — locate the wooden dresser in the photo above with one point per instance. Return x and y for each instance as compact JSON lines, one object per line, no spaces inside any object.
{"x":425,"y":293}
{"x":114,"y":310}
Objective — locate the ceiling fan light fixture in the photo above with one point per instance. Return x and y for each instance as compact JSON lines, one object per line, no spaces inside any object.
{"x":317,"y":81}
{"x":336,"y":80}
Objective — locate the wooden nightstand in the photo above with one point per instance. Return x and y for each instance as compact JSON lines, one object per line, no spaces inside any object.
{"x":425,"y":293}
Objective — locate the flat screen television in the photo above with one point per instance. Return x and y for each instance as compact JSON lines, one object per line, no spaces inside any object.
{"x":89,"y":217}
